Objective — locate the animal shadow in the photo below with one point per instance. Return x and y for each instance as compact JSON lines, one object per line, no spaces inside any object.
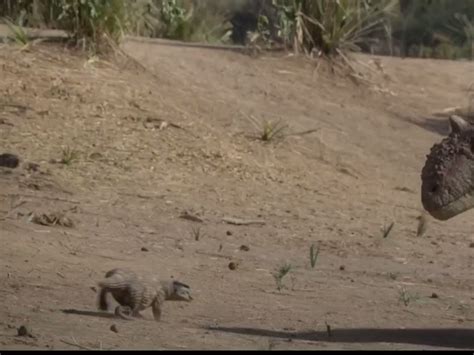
{"x":445,"y":338}
{"x":90,"y":313}
{"x":106,"y":315}
{"x":432,"y":124}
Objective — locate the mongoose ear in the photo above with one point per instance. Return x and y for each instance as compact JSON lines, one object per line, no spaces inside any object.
{"x":458,"y":124}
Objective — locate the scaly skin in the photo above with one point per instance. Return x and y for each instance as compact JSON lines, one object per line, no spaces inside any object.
{"x":448,"y":175}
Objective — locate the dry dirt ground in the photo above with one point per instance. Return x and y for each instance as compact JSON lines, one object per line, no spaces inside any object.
{"x":130,"y":182}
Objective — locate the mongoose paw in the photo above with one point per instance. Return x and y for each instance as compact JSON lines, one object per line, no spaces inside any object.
{"x":124,"y":312}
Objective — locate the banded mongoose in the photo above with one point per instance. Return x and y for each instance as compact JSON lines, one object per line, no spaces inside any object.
{"x":135,"y":294}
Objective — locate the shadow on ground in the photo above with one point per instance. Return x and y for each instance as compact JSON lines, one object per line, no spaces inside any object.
{"x":89,"y":313}
{"x":445,"y":338}
{"x":432,"y":124}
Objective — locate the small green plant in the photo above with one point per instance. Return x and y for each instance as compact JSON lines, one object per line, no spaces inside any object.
{"x":313,"y":255}
{"x":271,"y":130}
{"x":281,"y":273}
{"x":388,"y":230}
{"x":406,"y":297}
{"x":19,"y":34}
{"x":267,"y":131}
{"x":69,"y":156}
{"x":196,"y":233}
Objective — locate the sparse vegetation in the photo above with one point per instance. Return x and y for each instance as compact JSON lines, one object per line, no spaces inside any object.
{"x":332,"y":27}
{"x":440,"y":29}
{"x":387,"y":230}
{"x":272,"y":130}
{"x":406,"y":297}
{"x":197,"y":233}
{"x":268,"y":131}
{"x":19,"y":34}
{"x":313,"y":255}
{"x":281,"y":273}
{"x":94,"y":23}
{"x":68,"y":156}
{"x":194,"y":21}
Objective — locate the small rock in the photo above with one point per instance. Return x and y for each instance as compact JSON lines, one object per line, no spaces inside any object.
{"x":31,"y":166}
{"x":23,"y":331}
{"x":244,"y":248}
{"x":114,"y":328}
{"x":145,"y":250}
{"x":434,"y":296}
{"x":233,"y":266}
{"x":471,"y":245}
{"x":9,"y":161}
{"x":342,"y":268}
{"x":229,"y":233}
{"x":95,"y":156}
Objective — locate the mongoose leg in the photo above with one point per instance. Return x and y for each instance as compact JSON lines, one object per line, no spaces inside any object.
{"x":156,"y":308}
{"x":136,"y":312}
{"x":124,"y":312}
{"x":103,"y":305}
{"x":127,"y":313}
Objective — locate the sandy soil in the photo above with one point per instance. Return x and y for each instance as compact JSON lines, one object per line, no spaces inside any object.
{"x":130,"y":182}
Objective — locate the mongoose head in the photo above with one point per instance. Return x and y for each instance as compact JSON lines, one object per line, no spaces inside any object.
{"x":448,"y":175}
{"x":177,"y":291}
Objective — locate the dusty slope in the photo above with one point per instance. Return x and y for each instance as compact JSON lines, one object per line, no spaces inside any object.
{"x":335,"y":188}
